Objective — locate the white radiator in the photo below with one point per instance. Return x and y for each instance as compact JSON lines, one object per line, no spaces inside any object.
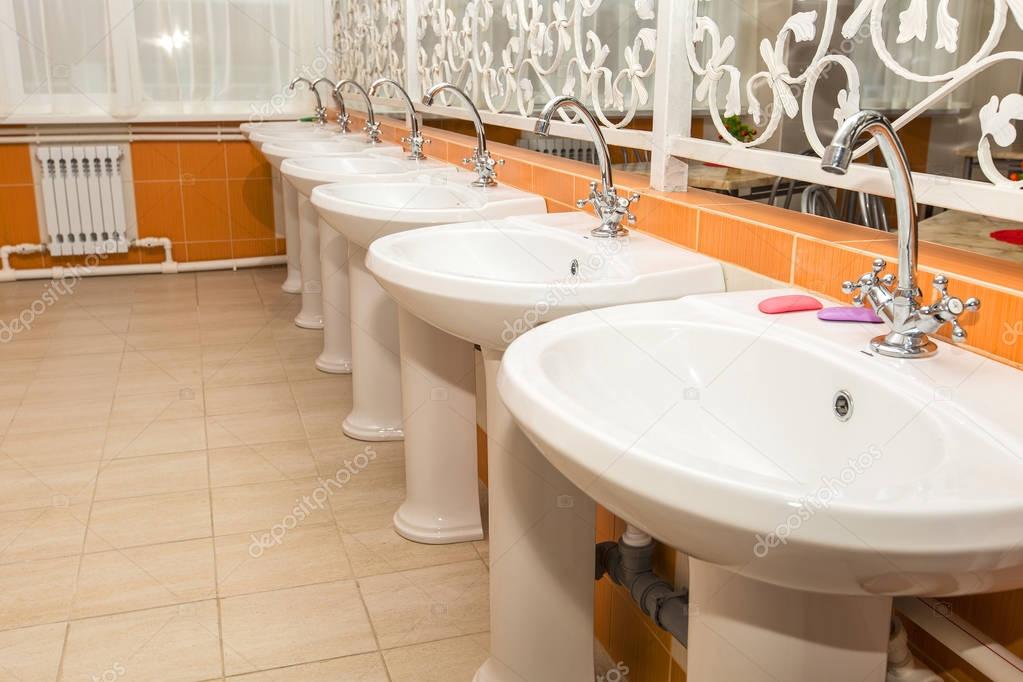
{"x":84,"y":199}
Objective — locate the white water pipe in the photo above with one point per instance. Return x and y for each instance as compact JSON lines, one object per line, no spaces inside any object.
{"x":964,"y":640}
{"x":167,"y":267}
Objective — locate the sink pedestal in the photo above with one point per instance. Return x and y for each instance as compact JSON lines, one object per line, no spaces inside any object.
{"x":311,"y":314}
{"x":542,"y":558}
{"x":376,"y":370}
{"x":438,"y":395}
{"x":289,"y":202}
{"x":336,"y":357}
{"x":744,"y":629}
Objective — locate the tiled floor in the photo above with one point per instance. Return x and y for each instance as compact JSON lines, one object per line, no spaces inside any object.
{"x":163,"y":446}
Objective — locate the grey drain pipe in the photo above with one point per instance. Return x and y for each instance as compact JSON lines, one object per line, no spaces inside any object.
{"x":629,"y":563}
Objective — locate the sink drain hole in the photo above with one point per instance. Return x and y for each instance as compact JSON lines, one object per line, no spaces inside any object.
{"x":843,"y":406}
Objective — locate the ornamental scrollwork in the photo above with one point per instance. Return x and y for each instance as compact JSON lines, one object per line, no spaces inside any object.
{"x":871,"y":16}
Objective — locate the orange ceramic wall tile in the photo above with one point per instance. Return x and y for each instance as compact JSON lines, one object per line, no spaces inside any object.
{"x":252,"y":248}
{"x":203,"y":160}
{"x":209,"y":251}
{"x":244,"y":162}
{"x":155,"y":161}
{"x":251,"y":208}
{"x":18,"y":220}
{"x":207,"y":217}
{"x":746,"y":244}
{"x":15,"y":165}
{"x":158,"y":208}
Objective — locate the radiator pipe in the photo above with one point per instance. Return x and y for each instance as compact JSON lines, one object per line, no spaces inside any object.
{"x":167,"y":267}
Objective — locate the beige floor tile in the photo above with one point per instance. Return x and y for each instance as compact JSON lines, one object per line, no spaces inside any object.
{"x":254,"y":427}
{"x":145,"y":577}
{"x":236,"y":334}
{"x":158,"y":437}
{"x":428,"y":604}
{"x":322,"y":425}
{"x":31,"y":653}
{"x":154,"y":475}
{"x":181,"y":338}
{"x":369,"y":499}
{"x":181,"y":364}
{"x":483,"y":549}
{"x":45,"y":533}
{"x":301,"y":556}
{"x":31,"y":486}
{"x":109,"y":342}
{"x":149,"y":520}
{"x":261,"y":463}
{"x":361,"y":668}
{"x":169,"y":644}
{"x":376,"y":552}
{"x":167,"y":321}
{"x":85,"y":387}
{"x":226,"y":400}
{"x":67,"y":415}
{"x":261,"y":506}
{"x":175,"y":403}
{"x":56,"y":446}
{"x":449,"y":660}
{"x":101,"y":364}
{"x":240,"y":366}
{"x":297,"y":625}
{"x":330,"y":394}
{"x":36,"y":592}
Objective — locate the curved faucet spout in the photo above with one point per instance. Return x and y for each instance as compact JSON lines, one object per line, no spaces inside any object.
{"x":543,"y":127}
{"x":415,"y":138}
{"x":609,"y":207}
{"x":483,"y":163}
{"x":321,"y":111}
{"x":909,"y":319}
{"x":372,"y":128}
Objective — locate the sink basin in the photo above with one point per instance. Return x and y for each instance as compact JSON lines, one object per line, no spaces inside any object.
{"x":487,"y":282}
{"x":277,"y":150}
{"x":789,"y":461}
{"x":262,"y":137}
{"x":386,"y":165}
{"x":364,"y":214}
{"x":326,"y":250}
{"x":277,"y":127}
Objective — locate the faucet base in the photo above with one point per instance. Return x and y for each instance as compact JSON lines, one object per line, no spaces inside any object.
{"x":905,"y":346}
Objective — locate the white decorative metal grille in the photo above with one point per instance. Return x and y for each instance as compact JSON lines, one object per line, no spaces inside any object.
{"x":873,"y":16}
{"x":370,"y":37}
{"x":515,"y":55}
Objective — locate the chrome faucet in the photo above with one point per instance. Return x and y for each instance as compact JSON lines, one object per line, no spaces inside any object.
{"x":900,"y":307}
{"x":607,"y":204}
{"x":372,"y":128}
{"x":415,"y":139}
{"x":481,"y":161}
{"x":337,"y":100}
{"x":321,"y":111}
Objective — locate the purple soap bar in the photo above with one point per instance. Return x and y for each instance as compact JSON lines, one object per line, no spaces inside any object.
{"x":849,"y":314}
{"x":788,"y":304}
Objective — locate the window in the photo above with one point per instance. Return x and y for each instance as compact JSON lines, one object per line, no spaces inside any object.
{"x":117,"y":59}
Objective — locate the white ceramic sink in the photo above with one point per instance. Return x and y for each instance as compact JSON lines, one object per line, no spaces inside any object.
{"x":364,"y":213}
{"x":277,"y":151}
{"x":305,"y":174}
{"x":376,"y":166}
{"x":713,"y":427}
{"x":489,"y":281}
{"x":287,"y":135}
{"x":277,"y":127}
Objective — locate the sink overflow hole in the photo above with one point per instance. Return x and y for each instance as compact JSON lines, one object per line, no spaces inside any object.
{"x":843,"y":406}
{"x":574,"y":267}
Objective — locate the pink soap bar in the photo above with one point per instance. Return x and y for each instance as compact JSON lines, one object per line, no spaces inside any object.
{"x":789,"y":304}
{"x":848,"y":314}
